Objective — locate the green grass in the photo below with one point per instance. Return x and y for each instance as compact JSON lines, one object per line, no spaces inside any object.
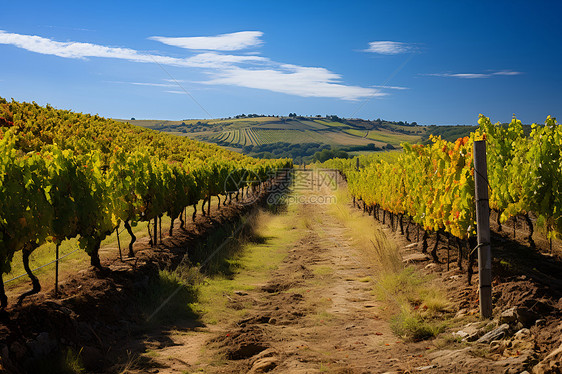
{"x":233,"y":258}
{"x":251,"y":261}
{"x":411,"y":325}
{"x":359,"y":133}
{"x":155,"y":302}
{"x":392,"y":138}
{"x":323,"y":270}
{"x":331,"y":124}
{"x":313,"y":124}
{"x":419,"y":309}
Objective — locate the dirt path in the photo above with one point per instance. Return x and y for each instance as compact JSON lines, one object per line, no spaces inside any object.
{"x":315,"y":313}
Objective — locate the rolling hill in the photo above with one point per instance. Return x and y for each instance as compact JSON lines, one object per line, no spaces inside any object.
{"x":295,"y":136}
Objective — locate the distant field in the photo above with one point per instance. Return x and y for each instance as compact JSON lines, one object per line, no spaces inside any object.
{"x":361,"y":133}
{"x":353,"y":135}
{"x":392,"y":138}
{"x":330,"y":123}
{"x":290,"y":136}
{"x":242,"y":137}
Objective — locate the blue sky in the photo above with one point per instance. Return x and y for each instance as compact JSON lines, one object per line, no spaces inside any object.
{"x":434,"y":62}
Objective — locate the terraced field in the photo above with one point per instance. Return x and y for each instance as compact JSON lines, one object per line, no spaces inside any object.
{"x":244,"y":136}
{"x":240,"y":132}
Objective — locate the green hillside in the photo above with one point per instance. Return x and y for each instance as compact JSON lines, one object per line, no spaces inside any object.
{"x":294,"y":136}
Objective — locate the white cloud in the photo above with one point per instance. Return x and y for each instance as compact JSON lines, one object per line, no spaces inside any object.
{"x":225,"y":42}
{"x":392,"y":87}
{"x":239,"y":70}
{"x":388,"y":47}
{"x":46,"y":46}
{"x":152,"y":84}
{"x":507,"y":72}
{"x":175,"y":92}
{"x":211,"y":58}
{"x":461,"y":75}
{"x":474,"y":75}
{"x":293,"y":80}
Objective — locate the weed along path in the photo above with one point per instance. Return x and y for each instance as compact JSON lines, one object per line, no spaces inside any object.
{"x":300,"y":299}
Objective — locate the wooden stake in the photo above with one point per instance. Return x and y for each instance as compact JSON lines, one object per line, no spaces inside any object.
{"x":119,"y":242}
{"x":483,"y":228}
{"x":57,"y":272}
{"x":155,"y":231}
{"x":448,"y":251}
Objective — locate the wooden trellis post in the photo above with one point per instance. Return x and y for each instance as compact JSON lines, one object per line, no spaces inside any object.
{"x":483,"y":228}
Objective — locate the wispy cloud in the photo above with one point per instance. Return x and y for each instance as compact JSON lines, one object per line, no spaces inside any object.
{"x":227,"y":69}
{"x":150,"y":84}
{"x":474,"y":75}
{"x":81,"y":50}
{"x":392,"y":87}
{"x":292,"y":79}
{"x":389,"y":48}
{"x":224,"y":42}
{"x":175,"y":92}
{"x":507,"y":72}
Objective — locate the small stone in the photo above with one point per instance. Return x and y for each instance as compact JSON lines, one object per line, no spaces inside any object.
{"x":461,"y":313}
{"x":508,"y":316}
{"x":270,"y":352}
{"x":522,"y":334}
{"x":415,"y":257}
{"x":240,"y":293}
{"x":460,"y":334}
{"x":422,"y":368}
{"x":473,"y":330}
{"x":495,"y":334}
{"x":264,"y":365}
{"x":540,"y":322}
